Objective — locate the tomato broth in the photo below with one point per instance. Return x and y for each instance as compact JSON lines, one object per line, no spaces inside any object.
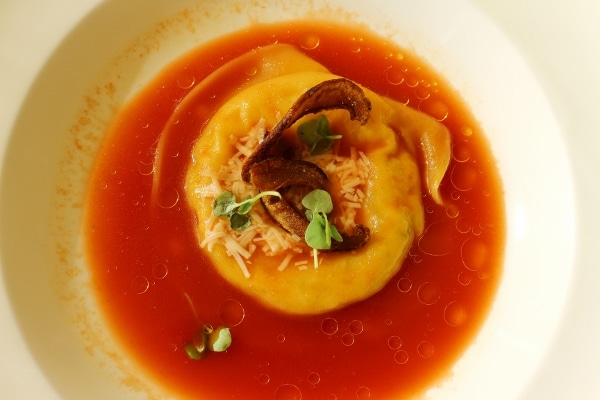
{"x":156,"y":287}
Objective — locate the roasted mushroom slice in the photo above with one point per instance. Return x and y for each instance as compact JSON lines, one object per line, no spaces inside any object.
{"x":333,"y":94}
{"x":278,"y":173}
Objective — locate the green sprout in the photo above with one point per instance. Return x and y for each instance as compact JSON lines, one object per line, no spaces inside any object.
{"x":226,"y":205}
{"x":316,"y":134}
{"x":320,"y":231}
{"x":208,"y":339}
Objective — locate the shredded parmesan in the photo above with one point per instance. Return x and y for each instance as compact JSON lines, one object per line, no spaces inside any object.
{"x":352,"y":173}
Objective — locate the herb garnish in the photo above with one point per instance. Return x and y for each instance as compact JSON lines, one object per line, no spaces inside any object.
{"x":316,"y":133}
{"x":208,"y":339}
{"x":319,"y":231}
{"x":226,"y":205}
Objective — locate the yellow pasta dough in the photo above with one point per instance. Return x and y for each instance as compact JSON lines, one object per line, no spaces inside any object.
{"x":401,"y":152}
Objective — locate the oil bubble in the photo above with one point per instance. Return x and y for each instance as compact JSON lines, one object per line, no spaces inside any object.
{"x":462,"y":225}
{"x":474,"y":254}
{"x":356,"y":45}
{"x":436,"y":241}
{"x":139,"y":284}
{"x":435,"y":108}
{"x":355,"y":327}
{"x":452,"y":211}
{"x":159,"y":271}
{"x":168,"y":197}
{"x":404,"y":285}
{"x":461,"y":153}
{"x":329,"y":326}
{"x":363,"y":393}
{"x":231,"y":312}
{"x":281,"y":338}
{"x":425,"y":349}
{"x":412,"y":81}
{"x":464,"y":278}
{"x":251,"y":71}
{"x":347,"y":339}
{"x":394,"y":76}
{"x":401,"y":357}
{"x":314,"y":378}
{"x":288,"y":391}
{"x":394,"y":342}
{"x":263,"y":379}
{"x":422,"y":93}
{"x":429,"y":293}
{"x":310,"y":42}
{"x":455,"y":314}
{"x":463,"y":177}
{"x":186,"y":81}
{"x":146,"y":168}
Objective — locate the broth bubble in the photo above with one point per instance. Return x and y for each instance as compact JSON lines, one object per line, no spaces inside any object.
{"x":288,"y":391}
{"x":314,"y":378}
{"x":231,"y":312}
{"x":463,"y":177}
{"x":355,"y":327}
{"x":425,"y":349}
{"x":404,"y":285}
{"x":263,"y":379}
{"x":461,"y":153}
{"x":310,"y":42}
{"x":474,"y":254}
{"x":401,"y":357}
{"x":347,"y":339}
{"x":434,"y":108}
{"x":168,"y":197}
{"x":159,"y":271}
{"x":394,"y":342}
{"x":429,"y":293}
{"x":464,"y":278}
{"x":462,"y":226}
{"x":455,"y":314}
{"x":394,"y":76}
{"x":146,"y":168}
{"x":329,"y":326}
{"x":363,"y":393}
{"x":186,"y":81}
{"x":140,"y":284}
{"x":356,"y":45}
{"x":436,"y":241}
{"x":452,"y":211}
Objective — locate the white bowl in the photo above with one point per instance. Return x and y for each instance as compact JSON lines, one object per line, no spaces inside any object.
{"x":528,"y":77}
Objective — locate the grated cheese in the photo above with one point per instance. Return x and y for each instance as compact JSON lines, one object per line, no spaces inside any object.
{"x":352,"y":173}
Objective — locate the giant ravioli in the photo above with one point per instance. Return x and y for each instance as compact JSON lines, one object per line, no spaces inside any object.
{"x":408,"y":153}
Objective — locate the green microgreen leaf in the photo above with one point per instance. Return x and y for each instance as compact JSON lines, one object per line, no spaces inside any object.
{"x":192,"y":352}
{"x":222,"y":204}
{"x":320,"y":231}
{"x":220,"y":339}
{"x":318,"y":201}
{"x":316,"y":134}
{"x":226,"y":205}
{"x":239,"y":222}
{"x":315,"y":235}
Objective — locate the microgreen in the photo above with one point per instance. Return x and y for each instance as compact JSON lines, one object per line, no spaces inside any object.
{"x":316,"y":134}
{"x":226,"y":205}
{"x":207,"y":339}
{"x":319,"y":231}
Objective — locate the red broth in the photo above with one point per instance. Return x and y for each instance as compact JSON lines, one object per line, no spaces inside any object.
{"x":147,"y":265}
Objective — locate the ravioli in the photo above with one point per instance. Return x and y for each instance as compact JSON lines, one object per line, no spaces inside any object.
{"x":377,"y":175}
